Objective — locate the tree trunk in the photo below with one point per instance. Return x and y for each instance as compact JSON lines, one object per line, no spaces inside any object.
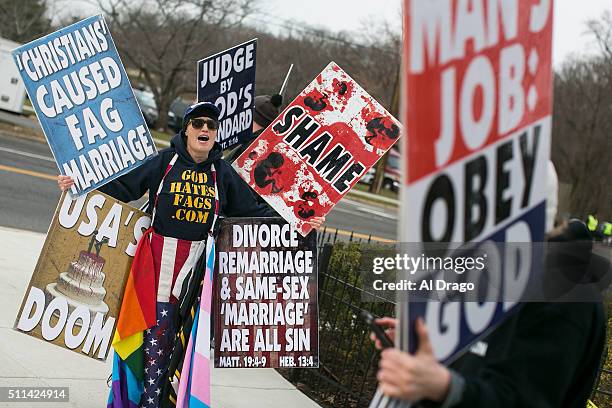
{"x":379,"y":175}
{"x":163,"y":107}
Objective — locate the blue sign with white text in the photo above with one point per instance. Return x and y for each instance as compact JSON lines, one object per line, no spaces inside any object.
{"x":455,"y":325}
{"x":227,"y":79}
{"x":85,"y":104}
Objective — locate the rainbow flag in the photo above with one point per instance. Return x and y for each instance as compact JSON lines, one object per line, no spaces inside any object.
{"x":138,"y":313}
{"x":195,"y":389}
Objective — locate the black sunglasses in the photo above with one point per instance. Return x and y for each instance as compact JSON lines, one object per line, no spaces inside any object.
{"x":199,"y":123}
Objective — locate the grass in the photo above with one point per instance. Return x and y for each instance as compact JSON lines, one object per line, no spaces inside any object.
{"x":161,"y":135}
{"x":383,"y":191}
{"x":22,"y":132}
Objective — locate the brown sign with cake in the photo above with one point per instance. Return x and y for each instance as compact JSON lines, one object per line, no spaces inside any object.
{"x":75,"y":293}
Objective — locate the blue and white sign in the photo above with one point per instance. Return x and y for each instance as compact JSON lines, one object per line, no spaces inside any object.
{"x":85,"y":104}
{"x":227,"y":79}
{"x":512,"y":266}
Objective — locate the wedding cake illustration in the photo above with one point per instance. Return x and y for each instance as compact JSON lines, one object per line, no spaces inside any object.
{"x":82,"y":283}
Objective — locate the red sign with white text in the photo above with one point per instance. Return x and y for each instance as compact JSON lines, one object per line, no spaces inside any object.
{"x":477,"y":83}
{"x":477,"y":100}
{"x":478,"y":105}
{"x":318,"y":148}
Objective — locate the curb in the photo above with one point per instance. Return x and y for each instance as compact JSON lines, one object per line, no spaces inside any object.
{"x":372,"y":198}
{"x":160,"y":142}
{"x":36,"y":134}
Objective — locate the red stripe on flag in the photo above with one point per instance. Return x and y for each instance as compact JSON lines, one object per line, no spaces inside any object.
{"x":138,"y":307}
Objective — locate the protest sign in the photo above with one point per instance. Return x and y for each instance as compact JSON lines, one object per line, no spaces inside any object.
{"x":477,"y":104}
{"x":227,"y":79}
{"x":267,"y":311}
{"x":318,"y":148}
{"x":75,"y":292}
{"x":85,"y":104}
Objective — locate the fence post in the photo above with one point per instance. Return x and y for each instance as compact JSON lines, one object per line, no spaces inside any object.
{"x":600,"y":370}
{"x":324,"y":258}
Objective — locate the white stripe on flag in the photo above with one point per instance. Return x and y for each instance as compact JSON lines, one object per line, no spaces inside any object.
{"x":195,"y":251}
{"x":167,"y":269}
{"x":202,"y":345}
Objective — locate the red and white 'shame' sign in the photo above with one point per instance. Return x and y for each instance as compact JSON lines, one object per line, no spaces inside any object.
{"x":318,"y":148}
{"x":477,"y":104}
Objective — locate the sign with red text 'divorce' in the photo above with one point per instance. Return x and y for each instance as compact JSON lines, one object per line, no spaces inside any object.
{"x":318,"y":148}
{"x":477,"y":104}
{"x":75,"y":292}
{"x":266,"y":310}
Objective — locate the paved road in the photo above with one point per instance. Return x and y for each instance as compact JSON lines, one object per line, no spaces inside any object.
{"x":27,"y":199}
{"x":19,"y":120}
{"x":29,"y":194}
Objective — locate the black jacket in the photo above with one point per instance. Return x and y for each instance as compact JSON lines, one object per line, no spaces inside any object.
{"x":546,"y":355}
{"x":186,"y":203}
{"x":233,"y":155}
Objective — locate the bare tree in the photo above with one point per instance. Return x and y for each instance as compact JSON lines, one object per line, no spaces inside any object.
{"x":602,"y":31}
{"x":582,"y":134}
{"x":372,"y":58}
{"x":384,"y":58}
{"x":163,"y":39}
{"x":23,"y":20}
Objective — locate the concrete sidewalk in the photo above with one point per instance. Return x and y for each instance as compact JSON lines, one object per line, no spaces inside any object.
{"x":26,"y":361}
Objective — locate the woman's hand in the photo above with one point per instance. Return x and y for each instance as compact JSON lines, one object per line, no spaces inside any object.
{"x":316,"y":222}
{"x":64,"y":182}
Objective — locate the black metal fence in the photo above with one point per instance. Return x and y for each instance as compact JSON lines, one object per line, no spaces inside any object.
{"x":332,"y":235}
{"x":606,"y":372}
{"x":602,"y":394}
{"x":348,"y":361}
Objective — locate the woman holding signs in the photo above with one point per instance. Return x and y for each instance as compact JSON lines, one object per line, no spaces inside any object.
{"x":189,"y":186}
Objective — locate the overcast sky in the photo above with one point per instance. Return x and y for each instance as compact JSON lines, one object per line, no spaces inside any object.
{"x":350,"y":15}
{"x":569,"y":24}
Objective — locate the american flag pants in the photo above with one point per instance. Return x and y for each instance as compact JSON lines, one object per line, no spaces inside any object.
{"x":173,"y":259}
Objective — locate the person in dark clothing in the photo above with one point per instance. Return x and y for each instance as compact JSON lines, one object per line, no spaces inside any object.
{"x":265,"y":111}
{"x":184,"y":203}
{"x":545,"y":355}
{"x":189,"y":186}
